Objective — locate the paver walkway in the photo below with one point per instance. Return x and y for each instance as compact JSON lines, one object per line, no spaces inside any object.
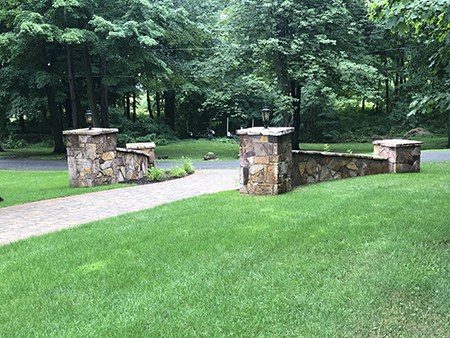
{"x":22,"y":221}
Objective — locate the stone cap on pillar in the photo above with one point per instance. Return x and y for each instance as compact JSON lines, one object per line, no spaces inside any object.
{"x":397,"y":143}
{"x":91,"y":132}
{"x":141,"y":145}
{"x":261,"y":131}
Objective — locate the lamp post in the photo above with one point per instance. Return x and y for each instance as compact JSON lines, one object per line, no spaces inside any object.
{"x":265,"y":112}
{"x":88,"y":117}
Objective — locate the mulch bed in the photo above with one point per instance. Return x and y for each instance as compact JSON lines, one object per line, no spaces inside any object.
{"x":147,"y":180}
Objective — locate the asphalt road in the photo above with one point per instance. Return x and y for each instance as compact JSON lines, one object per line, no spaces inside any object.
{"x":24,"y":164}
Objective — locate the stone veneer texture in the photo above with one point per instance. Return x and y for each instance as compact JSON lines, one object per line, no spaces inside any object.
{"x":265,"y":160}
{"x":94,"y":160}
{"x":146,"y":147}
{"x":403,"y":155}
{"x":315,"y":166}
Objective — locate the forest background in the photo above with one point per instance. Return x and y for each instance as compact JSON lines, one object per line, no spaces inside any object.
{"x":336,"y":70}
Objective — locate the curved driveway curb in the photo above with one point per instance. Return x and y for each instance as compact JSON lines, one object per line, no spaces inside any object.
{"x":22,"y":221}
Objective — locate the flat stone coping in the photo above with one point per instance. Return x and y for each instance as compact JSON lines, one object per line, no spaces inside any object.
{"x":325,"y":153}
{"x":397,"y":143}
{"x":132,"y":151}
{"x":141,"y":145}
{"x":91,"y":132}
{"x":261,"y":131}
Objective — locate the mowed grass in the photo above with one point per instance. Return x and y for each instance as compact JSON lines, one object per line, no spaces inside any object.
{"x":17,"y":187}
{"x":196,"y":149}
{"x":34,"y":153}
{"x":362,"y":257}
{"x":429,"y":143}
{"x":225,"y":150}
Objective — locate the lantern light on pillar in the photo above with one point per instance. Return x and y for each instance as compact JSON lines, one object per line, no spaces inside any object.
{"x":89,"y":117}
{"x":265,"y":112}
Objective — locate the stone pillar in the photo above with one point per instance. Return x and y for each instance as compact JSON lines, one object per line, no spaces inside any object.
{"x":265,"y":160}
{"x":403,"y":155}
{"x":91,"y":156}
{"x":146,"y":147}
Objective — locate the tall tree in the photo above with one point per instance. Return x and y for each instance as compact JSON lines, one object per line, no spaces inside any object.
{"x":302,"y":45}
{"x":430,"y":22}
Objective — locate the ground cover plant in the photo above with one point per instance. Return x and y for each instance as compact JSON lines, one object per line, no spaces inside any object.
{"x":179,"y":170}
{"x":18,"y":187}
{"x":362,"y":257}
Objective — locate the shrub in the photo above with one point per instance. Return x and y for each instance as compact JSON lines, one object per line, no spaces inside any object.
{"x":186,"y":165}
{"x":144,"y":129}
{"x":177,"y":172}
{"x":157,"y":174}
{"x":13,"y":142}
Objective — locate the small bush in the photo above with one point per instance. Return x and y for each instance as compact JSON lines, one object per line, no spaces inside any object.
{"x":177,"y":172}
{"x":186,"y":165}
{"x":14,"y":143}
{"x":143,"y":130}
{"x":157,"y":174}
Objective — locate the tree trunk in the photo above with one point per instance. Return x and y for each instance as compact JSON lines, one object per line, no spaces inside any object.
{"x":2,"y":129}
{"x":72,"y":92}
{"x":387,"y":95}
{"x":22,"y":124}
{"x":149,"y":106}
{"x":52,"y":105}
{"x":2,"y":123}
{"x":296,"y":93}
{"x":282,"y":32}
{"x":448,"y":131}
{"x":134,"y":107}
{"x":104,"y":93}
{"x":169,"y":108}
{"x":127,"y":107}
{"x":64,"y":114}
{"x":158,"y":105}
{"x":90,"y":87}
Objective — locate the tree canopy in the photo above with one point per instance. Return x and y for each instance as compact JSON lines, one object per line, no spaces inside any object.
{"x":429,"y":22}
{"x":322,"y":66}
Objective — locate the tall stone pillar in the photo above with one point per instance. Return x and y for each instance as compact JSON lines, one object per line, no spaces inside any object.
{"x":91,"y":156}
{"x":265,"y":160}
{"x":403,"y":155}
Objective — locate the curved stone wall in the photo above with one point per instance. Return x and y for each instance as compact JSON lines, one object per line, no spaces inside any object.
{"x":316,"y":166}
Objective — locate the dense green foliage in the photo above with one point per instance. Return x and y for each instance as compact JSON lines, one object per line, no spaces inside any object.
{"x":362,"y":257}
{"x":430,"y":23}
{"x":188,"y":65}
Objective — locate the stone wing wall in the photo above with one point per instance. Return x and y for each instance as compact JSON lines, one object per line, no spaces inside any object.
{"x":316,"y":166}
{"x":94,"y":160}
{"x":131,"y":164}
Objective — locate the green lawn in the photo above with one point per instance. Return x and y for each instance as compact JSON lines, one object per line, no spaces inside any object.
{"x":32,"y":153}
{"x":17,"y":187}
{"x":196,"y":149}
{"x":224,"y":149}
{"x":362,"y":257}
{"x":429,"y":143}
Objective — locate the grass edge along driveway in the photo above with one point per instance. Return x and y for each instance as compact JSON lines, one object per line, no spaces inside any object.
{"x":362,"y":257}
{"x":18,"y":187}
